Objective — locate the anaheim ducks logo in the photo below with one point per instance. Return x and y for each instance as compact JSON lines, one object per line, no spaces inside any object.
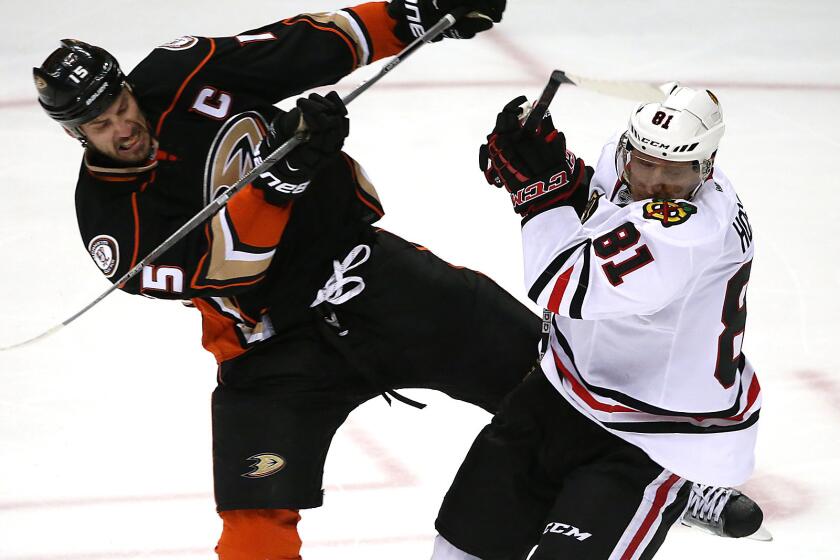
{"x":40,"y":83}
{"x":231,"y":154}
{"x":265,"y":464}
{"x":669,"y":212}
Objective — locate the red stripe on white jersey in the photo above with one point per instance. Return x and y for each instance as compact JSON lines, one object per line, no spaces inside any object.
{"x":658,"y":495}
{"x":559,"y":289}
{"x":585,"y":395}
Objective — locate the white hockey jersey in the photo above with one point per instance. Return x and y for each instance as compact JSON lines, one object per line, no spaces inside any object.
{"x":650,"y":308}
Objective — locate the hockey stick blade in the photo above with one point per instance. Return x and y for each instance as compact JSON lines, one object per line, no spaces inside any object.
{"x":635,"y":91}
{"x":442,"y":25}
{"x":538,"y":111}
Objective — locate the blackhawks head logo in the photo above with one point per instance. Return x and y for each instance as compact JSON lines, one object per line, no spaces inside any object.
{"x":669,"y":212}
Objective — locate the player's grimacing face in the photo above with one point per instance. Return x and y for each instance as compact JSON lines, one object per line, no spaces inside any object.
{"x":121,"y":132}
{"x":652,"y":177}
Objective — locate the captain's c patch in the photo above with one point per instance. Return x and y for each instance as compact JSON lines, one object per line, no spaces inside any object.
{"x":668,"y":212}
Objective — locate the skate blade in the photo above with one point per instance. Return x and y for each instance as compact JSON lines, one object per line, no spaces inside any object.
{"x":761,"y":535}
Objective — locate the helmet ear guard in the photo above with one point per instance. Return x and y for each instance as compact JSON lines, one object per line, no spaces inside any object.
{"x":76,"y":83}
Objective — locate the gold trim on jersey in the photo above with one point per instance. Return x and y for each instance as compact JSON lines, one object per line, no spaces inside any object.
{"x":350,"y":28}
{"x":365,"y":182}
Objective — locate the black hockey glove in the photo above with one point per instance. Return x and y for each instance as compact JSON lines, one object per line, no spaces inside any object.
{"x":414,"y":17}
{"x":534,"y":167}
{"x":326,"y":126}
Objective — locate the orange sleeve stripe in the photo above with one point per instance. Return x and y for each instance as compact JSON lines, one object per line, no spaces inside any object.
{"x":200,"y":266}
{"x":257,"y":222}
{"x":218,"y":336}
{"x":359,"y":191}
{"x":380,"y":28}
{"x":184,"y":85}
{"x":349,"y":43}
{"x":136,"y":213}
{"x":245,"y":315}
{"x":112,"y":179}
{"x":376,"y":210}
{"x":255,"y":280}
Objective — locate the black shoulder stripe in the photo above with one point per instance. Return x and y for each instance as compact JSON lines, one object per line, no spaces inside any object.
{"x":368,"y":40}
{"x":576,"y":307}
{"x":564,"y":344}
{"x":552,"y":269}
{"x":679,"y":427}
{"x":642,"y":406}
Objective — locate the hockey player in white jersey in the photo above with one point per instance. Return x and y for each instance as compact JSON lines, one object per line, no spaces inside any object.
{"x":642,"y":265}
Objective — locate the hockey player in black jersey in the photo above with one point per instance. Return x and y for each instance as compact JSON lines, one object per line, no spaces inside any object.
{"x":308,"y":308}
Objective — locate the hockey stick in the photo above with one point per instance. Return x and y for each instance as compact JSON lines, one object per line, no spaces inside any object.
{"x":635,"y":91}
{"x":211,"y":209}
{"x":538,"y":111}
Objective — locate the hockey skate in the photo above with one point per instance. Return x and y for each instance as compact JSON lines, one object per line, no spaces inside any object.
{"x":724,"y":512}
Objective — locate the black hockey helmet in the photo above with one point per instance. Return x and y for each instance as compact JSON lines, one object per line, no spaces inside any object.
{"x":77,"y":83}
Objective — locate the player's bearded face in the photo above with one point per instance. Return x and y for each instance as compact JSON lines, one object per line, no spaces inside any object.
{"x":121,"y":132}
{"x":652,"y":177}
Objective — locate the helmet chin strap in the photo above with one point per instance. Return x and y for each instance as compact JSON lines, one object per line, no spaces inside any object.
{"x":76,"y":132}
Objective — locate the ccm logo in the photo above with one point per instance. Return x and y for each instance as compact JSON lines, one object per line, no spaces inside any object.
{"x":650,"y":142}
{"x":539,"y":188}
{"x":566,"y":530}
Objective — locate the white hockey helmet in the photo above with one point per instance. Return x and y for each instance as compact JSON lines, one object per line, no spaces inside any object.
{"x":686,"y":126}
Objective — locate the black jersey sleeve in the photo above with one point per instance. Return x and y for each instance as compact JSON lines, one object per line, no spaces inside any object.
{"x":284,"y":58}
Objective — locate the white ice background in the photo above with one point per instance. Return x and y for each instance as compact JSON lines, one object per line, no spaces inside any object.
{"x":105,"y":427}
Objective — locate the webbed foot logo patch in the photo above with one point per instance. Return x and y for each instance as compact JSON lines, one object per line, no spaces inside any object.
{"x":265,"y":464}
{"x":668,"y":212}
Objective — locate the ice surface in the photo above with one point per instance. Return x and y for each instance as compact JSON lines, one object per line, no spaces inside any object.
{"x":104,"y":428}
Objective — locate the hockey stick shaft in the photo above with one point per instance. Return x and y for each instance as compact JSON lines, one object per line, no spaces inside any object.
{"x":541,"y":107}
{"x":220,"y":202}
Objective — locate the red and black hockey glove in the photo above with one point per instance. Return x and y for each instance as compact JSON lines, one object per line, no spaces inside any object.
{"x":533,"y":166}
{"x":326,"y":125}
{"x":414,"y":17}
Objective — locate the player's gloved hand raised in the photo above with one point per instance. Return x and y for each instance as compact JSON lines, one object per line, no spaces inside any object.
{"x":414,"y":17}
{"x":324,"y":121}
{"x":533,"y":166}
